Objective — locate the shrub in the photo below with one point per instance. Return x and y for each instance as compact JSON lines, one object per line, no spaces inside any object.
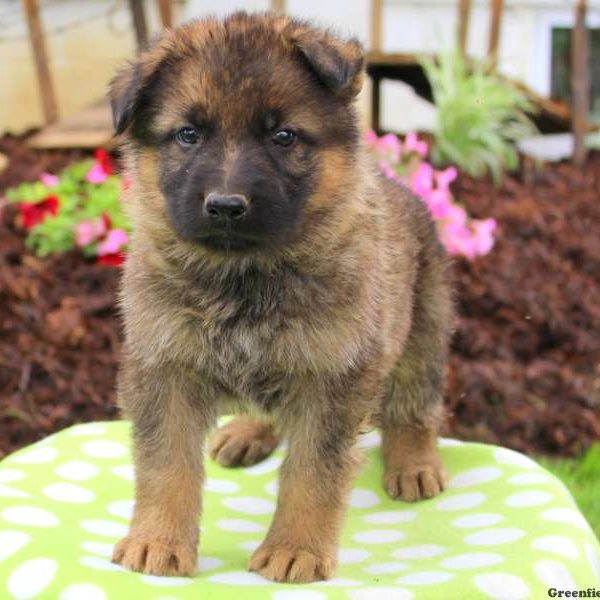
{"x":480,"y":116}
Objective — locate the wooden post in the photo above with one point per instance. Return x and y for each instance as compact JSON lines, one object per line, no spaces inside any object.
{"x":495,"y":22}
{"x":139,"y":23}
{"x":166,"y":13}
{"x":36,"y":36}
{"x":580,"y":82}
{"x":464,"y":16}
{"x":376,"y":20}
{"x":278,"y":6}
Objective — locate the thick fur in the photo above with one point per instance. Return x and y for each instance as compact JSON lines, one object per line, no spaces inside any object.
{"x":330,"y":313}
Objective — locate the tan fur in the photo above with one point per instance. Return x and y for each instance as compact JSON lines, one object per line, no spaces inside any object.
{"x":351,"y":316}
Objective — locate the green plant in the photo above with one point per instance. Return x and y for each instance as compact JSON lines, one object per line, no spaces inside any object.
{"x":581,"y":476}
{"x":480,"y":116}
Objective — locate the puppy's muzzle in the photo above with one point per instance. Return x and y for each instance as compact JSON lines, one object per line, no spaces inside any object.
{"x":224,"y":209}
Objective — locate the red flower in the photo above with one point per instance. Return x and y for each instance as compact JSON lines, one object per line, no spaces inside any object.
{"x":113,"y":260}
{"x":33,"y":213}
{"x":107,"y":221}
{"x":105,"y":160}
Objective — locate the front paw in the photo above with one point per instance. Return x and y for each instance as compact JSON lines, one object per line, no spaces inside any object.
{"x":415,"y":482}
{"x":291,"y":565}
{"x":155,"y":556}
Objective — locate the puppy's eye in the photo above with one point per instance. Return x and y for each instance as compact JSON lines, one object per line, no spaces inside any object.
{"x":187,"y":136}
{"x":284,"y":137}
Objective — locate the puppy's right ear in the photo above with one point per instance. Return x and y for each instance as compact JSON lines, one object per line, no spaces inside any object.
{"x":124,"y":94}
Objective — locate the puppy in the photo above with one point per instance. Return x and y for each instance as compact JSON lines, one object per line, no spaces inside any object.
{"x":274,"y":273}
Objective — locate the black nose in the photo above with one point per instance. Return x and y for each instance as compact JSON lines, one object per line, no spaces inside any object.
{"x":223,"y":208}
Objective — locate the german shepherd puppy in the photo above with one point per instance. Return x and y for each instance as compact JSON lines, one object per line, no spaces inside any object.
{"x":274,"y":273}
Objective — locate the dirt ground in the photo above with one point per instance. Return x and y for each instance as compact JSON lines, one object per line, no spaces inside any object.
{"x":525,"y":363}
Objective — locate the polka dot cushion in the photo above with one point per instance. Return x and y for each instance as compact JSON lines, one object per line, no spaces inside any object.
{"x":505,"y":529}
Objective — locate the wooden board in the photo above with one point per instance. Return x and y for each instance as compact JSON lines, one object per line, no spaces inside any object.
{"x":90,"y":128}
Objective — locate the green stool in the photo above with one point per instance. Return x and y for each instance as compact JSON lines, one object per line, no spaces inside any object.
{"x":505,"y":529}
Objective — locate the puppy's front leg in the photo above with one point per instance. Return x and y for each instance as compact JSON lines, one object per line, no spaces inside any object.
{"x":168,"y":432}
{"x":302,"y":543}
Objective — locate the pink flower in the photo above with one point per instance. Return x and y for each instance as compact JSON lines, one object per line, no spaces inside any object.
{"x":49,"y":180}
{"x":389,"y":145}
{"x":371,"y":138}
{"x":113,"y":242}
{"x":412,"y":143}
{"x":89,"y":231}
{"x":457,"y":239}
{"x":422,"y":180}
{"x":96,"y":174}
{"x":446,"y":177}
{"x":439,"y":203}
{"x":483,"y":235}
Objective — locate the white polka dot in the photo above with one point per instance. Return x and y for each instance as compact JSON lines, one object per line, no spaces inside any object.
{"x":11,"y":542}
{"x":363,"y":499}
{"x":208,"y":563}
{"x":389,"y":567}
{"x":556,"y":544}
{"x":98,"y":548}
{"x":266,"y":466}
{"x":510,"y":457}
{"x":68,"y":492}
{"x":272,"y":487}
{"x":250,"y":505}
{"x":477,"y":520}
{"x":239,"y":578}
{"x":166,"y":581}
{"x":10,"y":492}
{"x":124,"y":472}
{"x":529,"y":479}
{"x":30,"y":578}
{"x":528,"y":498}
{"x":104,"y":449}
{"x":8,"y":475}
{"x":566,"y":515}
{"x":475,"y":560}
{"x":339,"y":582}
{"x":554,"y":575}
{"x":36,"y":456}
{"x":425,"y":578}
{"x":449,"y":443}
{"x":390,"y":517}
{"x":378,"y":536}
{"x":105,"y":528}
{"x":299,"y":595}
{"x":462,"y":502}
{"x":592,"y":556}
{"x":30,"y":516}
{"x":417,"y":552}
{"x":351,"y":556}
{"x":491,"y":537}
{"x":77,"y":470}
{"x":79,"y":591}
{"x":475,"y":477}
{"x":239,"y":526}
{"x":502,"y":586}
{"x":121,"y":508}
{"x":100,"y":564}
{"x":380,"y":593}
{"x":87,"y":429}
{"x":251,"y":546}
{"x":369,"y":440}
{"x":221,"y":486}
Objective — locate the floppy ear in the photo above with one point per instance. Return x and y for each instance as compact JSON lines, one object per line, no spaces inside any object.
{"x":339,"y":65}
{"x":125,"y":90}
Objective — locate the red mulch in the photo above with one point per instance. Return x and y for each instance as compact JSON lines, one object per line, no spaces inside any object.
{"x":525,"y":366}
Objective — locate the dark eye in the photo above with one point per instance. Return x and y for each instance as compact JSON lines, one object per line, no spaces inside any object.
{"x":187,"y":136}
{"x":284,"y":137}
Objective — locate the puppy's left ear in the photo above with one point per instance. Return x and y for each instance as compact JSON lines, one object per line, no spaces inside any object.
{"x":338,"y":64}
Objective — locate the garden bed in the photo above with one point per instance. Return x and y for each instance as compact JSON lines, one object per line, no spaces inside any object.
{"x":525,"y":365}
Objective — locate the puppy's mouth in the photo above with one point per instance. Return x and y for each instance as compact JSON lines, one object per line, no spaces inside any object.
{"x":227,"y":242}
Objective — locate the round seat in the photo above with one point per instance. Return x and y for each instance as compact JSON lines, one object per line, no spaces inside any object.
{"x":505,"y":528}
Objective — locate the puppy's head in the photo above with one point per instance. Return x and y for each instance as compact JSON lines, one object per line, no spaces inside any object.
{"x":240,"y":129}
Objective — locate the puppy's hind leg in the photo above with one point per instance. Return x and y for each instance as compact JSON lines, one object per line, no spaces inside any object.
{"x":412,"y":409}
{"x":243,"y":442}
